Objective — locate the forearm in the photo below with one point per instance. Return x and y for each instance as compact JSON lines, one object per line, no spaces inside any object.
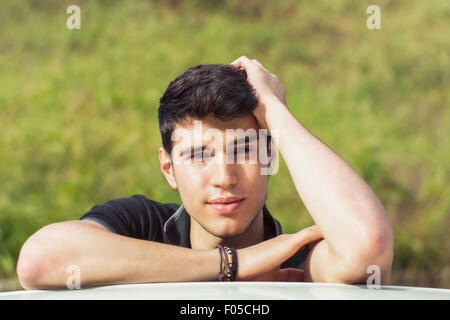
{"x":356,"y":228}
{"x":104,"y":258}
{"x":347,"y":211}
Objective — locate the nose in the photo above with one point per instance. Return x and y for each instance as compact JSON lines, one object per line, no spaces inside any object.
{"x":223,"y":175}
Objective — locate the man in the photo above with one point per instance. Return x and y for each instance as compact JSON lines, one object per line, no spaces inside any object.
{"x":135,"y":239}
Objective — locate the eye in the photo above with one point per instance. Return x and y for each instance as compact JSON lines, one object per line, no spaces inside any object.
{"x":199,"y":155}
{"x":242,"y":153}
{"x":199,"y":158}
{"x":246,"y":149}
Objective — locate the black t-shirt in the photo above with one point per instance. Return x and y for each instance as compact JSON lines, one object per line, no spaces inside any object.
{"x":141,"y":218}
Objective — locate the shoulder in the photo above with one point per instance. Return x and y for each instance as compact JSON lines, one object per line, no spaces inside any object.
{"x":136,"y":216}
{"x":143,"y":203}
{"x":136,"y":204}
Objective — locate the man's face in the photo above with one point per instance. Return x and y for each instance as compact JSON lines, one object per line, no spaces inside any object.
{"x":214,"y":159}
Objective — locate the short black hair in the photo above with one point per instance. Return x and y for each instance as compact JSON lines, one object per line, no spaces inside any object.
{"x":202,"y":90}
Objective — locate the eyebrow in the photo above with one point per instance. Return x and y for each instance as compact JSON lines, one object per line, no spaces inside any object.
{"x":192,"y":150}
{"x":246,"y":139}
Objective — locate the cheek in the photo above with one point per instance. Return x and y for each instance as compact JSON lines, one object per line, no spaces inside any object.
{"x":256,"y":181}
{"x":253,"y":172}
{"x":188,"y":181}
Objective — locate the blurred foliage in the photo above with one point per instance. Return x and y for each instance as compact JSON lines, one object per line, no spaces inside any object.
{"x":79,"y":107}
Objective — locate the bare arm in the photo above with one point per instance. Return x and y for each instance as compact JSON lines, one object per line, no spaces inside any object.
{"x":105,"y":258}
{"x":357,"y":230}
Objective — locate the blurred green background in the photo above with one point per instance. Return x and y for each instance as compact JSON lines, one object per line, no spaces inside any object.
{"x":78,"y":108}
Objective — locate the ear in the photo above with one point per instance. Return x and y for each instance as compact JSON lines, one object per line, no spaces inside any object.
{"x":167,"y":167}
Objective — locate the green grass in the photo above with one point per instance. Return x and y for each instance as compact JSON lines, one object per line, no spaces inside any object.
{"x":79,"y":108}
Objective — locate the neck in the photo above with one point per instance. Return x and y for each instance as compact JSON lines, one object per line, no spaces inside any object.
{"x":202,"y":239}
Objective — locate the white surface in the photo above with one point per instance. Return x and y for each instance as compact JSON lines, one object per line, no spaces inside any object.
{"x":232,"y":291}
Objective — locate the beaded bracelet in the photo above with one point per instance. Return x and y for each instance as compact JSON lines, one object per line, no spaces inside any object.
{"x":228,"y":270}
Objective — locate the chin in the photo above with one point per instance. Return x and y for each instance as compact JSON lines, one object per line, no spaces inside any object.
{"x":229,"y":229}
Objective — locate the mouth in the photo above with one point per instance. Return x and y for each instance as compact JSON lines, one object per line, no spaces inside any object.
{"x":226,"y":206}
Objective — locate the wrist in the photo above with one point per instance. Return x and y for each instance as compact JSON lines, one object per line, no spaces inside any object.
{"x":228,"y":263}
{"x":240,"y":274}
{"x":244,"y":273}
{"x":207,"y":265}
{"x":272,"y":114}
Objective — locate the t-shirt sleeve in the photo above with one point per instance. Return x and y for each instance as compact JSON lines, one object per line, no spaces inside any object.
{"x":129,"y":216}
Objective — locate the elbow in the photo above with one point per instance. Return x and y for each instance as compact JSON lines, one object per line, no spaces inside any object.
{"x":29,"y":268}
{"x":379,"y":244}
{"x":376,"y":250}
{"x":37,"y":259}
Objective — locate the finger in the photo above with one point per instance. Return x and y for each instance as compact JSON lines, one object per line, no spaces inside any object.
{"x":311,"y":230}
{"x":262,"y":67}
{"x":308,"y":234}
{"x":240,"y":59}
{"x":258,"y":63}
{"x":241,"y":62}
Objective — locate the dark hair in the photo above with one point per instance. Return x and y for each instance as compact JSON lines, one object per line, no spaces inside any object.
{"x":202,"y":90}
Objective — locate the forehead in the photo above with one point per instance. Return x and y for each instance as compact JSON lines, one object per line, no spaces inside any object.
{"x":211,"y":122}
{"x":191,"y":135}
{"x":213,"y":125}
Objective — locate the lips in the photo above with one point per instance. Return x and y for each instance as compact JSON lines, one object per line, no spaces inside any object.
{"x":226,"y":205}
{"x":225,"y":200}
